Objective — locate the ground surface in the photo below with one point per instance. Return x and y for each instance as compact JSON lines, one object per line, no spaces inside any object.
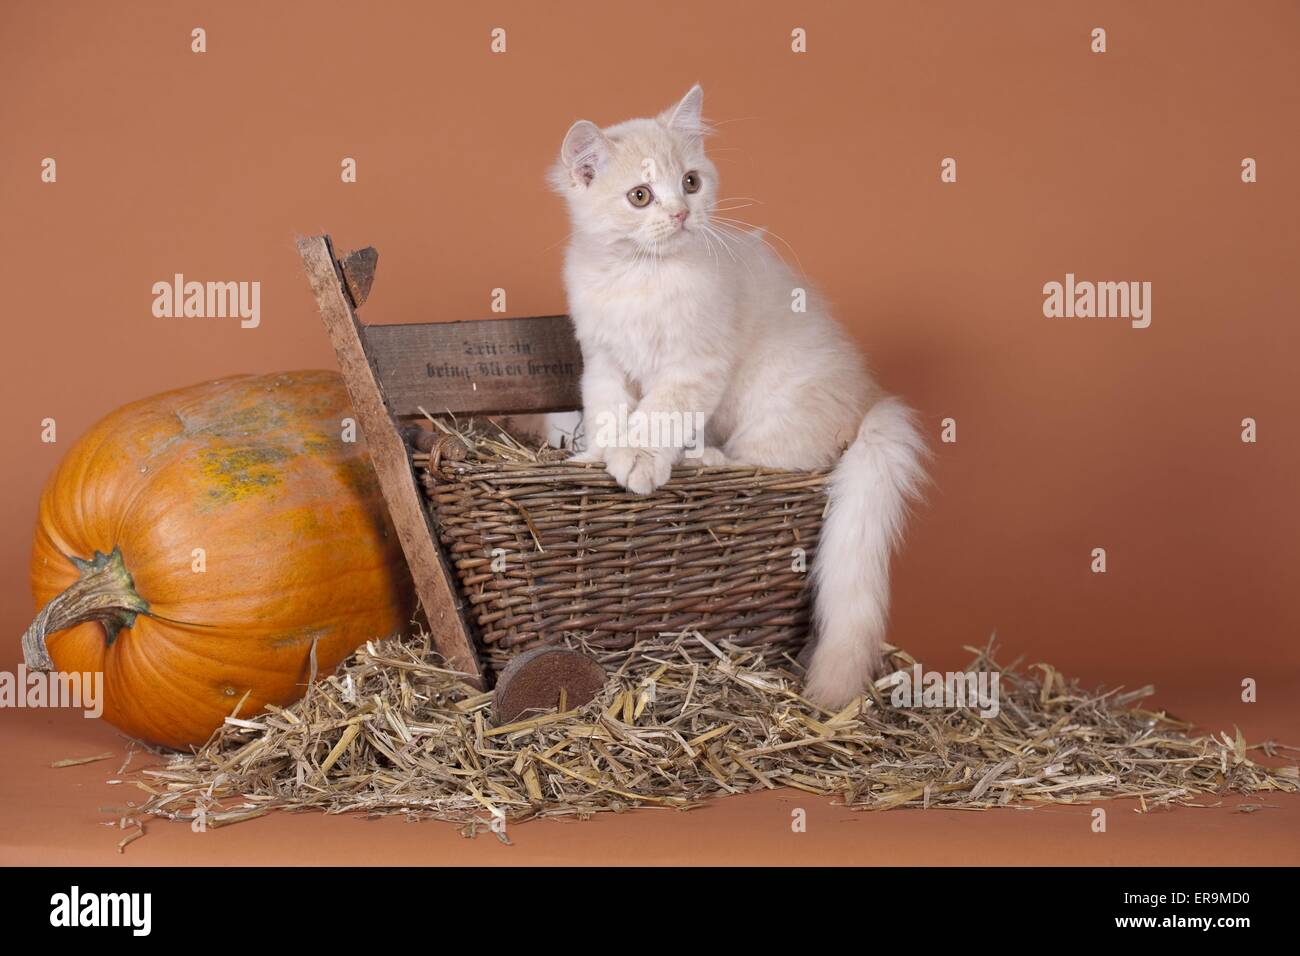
{"x":52,"y":817}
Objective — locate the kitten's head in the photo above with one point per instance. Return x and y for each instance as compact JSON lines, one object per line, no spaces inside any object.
{"x":644,"y":185}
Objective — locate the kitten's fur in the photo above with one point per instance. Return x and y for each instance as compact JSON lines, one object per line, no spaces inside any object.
{"x":694,"y":315}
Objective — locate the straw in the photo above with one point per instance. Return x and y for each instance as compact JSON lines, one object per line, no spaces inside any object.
{"x":395,"y":732}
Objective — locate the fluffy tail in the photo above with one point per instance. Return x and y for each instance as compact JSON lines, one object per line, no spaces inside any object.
{"x":869,"y":493}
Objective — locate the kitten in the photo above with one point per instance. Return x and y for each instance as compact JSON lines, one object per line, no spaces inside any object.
{"x":681,"y":313}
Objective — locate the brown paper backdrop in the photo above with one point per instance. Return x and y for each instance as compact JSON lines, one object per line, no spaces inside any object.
{"x":1072,"y":434}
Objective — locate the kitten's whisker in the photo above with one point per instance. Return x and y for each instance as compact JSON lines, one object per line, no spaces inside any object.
{"x":565,"y":239}
{"x":721,"y":241}
{"x":753,"y":233}
{"x":759,"y":233}
{"x":638,"y":254}
{"x":713,"y":248}
{"x":717,"y":264}
{"x":744,"y":261}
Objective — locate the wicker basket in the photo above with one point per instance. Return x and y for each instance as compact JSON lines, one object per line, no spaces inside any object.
{"x":715,"y":549}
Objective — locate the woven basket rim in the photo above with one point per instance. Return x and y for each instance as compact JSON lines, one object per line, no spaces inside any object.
{"x":594,"y":473}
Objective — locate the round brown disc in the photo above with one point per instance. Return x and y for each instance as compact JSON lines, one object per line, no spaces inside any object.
{"x":534,"y":679}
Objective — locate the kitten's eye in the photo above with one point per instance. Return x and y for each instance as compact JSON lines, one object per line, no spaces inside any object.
{"x":691,"y":182}
{"x":640,"y":196}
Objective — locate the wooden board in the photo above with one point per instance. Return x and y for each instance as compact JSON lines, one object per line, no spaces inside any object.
{"x":433,"y":581}
{"x":486,"y":366}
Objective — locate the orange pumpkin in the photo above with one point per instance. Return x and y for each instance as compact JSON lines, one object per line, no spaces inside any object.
{"x":198,"y":545}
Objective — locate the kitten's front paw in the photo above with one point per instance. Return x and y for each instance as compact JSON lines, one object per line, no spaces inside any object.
{"x":639,"y":470}
{"x":592,"y":454}
{"x":711,"y":458}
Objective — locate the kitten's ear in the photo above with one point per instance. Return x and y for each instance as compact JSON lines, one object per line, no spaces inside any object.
{"x":687,"y":116}
{"x":584,"y":151}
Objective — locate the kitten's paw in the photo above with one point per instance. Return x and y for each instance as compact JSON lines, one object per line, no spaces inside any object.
{"x":711,"y":458}
{"x":588,"y":456}
{"x":831,"y":684}
{"x":639,"y":470}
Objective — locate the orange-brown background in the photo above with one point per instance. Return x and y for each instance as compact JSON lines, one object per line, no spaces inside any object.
{"x":1073,"y":434}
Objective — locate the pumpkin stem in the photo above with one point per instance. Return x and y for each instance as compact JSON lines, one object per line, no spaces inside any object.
{"x":104,"y":593}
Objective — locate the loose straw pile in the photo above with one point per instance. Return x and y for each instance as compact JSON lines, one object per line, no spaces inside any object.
{"x":395,"y":732}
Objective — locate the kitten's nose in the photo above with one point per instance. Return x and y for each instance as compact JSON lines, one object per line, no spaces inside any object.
{"x":680,"y":216}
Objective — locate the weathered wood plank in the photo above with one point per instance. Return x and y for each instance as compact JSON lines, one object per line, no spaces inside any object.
{"x":485,"y":366}
{"x":433,"y":582}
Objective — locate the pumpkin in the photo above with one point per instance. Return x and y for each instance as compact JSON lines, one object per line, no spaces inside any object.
{"x":213,"y":547}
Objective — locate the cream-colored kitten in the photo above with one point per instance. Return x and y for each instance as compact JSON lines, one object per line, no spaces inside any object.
{"x":681,"y":316}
